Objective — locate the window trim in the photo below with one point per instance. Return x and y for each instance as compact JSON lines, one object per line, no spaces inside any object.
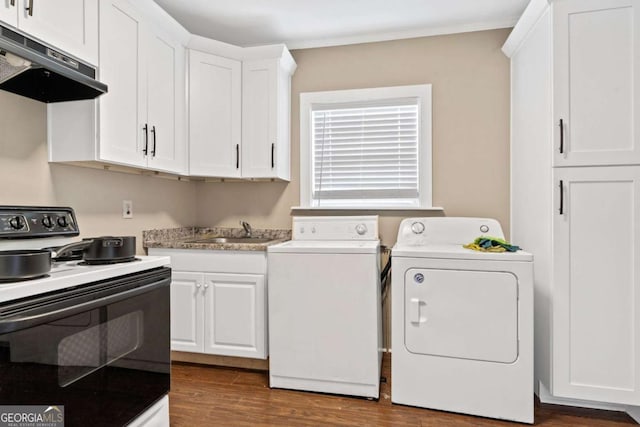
{"x":425,"y":169}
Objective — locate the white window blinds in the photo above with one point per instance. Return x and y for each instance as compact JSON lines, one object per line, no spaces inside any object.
{"x":365,"y":151}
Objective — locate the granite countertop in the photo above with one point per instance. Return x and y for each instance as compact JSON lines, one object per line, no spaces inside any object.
{"x":180,"y":238}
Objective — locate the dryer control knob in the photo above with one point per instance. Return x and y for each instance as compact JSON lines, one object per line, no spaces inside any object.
{"x":417,"y":227}
{"x":361,"y":229}
{"x":484,"y":228}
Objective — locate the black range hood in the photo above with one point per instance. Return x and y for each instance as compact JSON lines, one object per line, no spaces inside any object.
{"x":31,"y":69}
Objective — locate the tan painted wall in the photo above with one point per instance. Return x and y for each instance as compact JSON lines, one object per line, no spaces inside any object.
{"x":28,"y":179}
{"x":470,"y":78}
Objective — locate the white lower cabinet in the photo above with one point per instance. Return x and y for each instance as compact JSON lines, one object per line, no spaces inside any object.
{"x":187,"y":312}
{"x":596,"y":301}
{"x":218,"y":302}
{"x":220,"y":314}
{"x":234,"y":315}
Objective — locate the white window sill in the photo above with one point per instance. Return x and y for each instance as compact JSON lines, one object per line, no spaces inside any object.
{"x":303,"y":209}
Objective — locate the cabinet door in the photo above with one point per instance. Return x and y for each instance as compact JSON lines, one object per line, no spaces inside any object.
{"x":596,"y":88}
{"x":166,"y":147}
{"x":235,"y":315}
{"x":259,"y":118}
{"x":596,"y":284}
{"x":122,"y":65}
{"x":187,"y":306}
{"x":214,"y":115}
{"x":9,"y":12}
{"x":69,"y":25}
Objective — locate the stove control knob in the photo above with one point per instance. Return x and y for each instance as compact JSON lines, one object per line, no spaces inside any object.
{"x":47,"y":221}
{"x":361,"y":229}
{"x":417,"y":227}
{"x":62,"y":221}
{"x":16,"y":223}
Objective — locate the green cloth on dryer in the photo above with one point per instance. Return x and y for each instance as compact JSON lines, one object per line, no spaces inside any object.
{"x":491,"y":244}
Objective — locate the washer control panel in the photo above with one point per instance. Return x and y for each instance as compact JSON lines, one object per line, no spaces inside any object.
{"x":335,"y":227}
{"x":18,"y":222}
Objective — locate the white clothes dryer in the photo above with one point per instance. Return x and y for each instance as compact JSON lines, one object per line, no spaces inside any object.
{"x":462,"y":321}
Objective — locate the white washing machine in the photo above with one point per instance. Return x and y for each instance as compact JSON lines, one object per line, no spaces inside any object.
{"x":324,"y":307}
{"x":462,"y":321}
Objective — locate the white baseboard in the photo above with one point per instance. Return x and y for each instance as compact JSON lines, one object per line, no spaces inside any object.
{"x":634,"y":412}
{"x":546,"y":397}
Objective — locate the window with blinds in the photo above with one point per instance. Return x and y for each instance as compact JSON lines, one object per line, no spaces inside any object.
{"x":366,"y":152}
{"x":366,"y":148}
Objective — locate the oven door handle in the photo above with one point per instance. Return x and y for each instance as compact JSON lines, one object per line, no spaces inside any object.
{"x":24,"y":322}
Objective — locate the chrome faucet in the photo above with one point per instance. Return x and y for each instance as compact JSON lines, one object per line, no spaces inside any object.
{"x":247,"y":228}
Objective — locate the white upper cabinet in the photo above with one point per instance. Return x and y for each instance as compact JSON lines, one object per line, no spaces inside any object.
{"x":214,"y":115}
{"x":266,"y":95}
{"x":141,"y":66}
{"x":596,"y":83}
{"x":122,"y":69}
{"x":69,"y":25}
{"x":9,"y":12}
{"x":225,"y":115}
{"x":139,"y":122}
{"x":239,"y":111}
{"x":165,"y":78}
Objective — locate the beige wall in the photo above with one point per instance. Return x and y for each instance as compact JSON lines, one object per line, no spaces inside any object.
{"x":470,"y":78}
{"x":28,"y":179}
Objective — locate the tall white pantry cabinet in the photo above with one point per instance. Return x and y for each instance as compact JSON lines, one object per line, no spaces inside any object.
{"x":575,"y":194}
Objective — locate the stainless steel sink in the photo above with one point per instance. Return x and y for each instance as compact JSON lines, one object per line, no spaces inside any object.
{"x":230,"y":240}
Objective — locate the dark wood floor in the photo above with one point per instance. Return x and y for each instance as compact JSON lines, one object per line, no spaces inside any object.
{"x":212,"y":396}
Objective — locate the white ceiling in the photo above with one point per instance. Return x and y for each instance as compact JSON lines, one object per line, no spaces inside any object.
{"x":313,"y":23}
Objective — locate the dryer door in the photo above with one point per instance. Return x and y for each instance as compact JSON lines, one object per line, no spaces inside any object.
{"x":462,"y":314}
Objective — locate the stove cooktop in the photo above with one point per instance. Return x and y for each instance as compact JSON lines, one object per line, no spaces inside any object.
{"x":38,"y":227}
{"x":73,"y":273}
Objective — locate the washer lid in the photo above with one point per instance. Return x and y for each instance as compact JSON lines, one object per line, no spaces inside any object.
{"x":326,"y":247}
{"x":456,"y":252}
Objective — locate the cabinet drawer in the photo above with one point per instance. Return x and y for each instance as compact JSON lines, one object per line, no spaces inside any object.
{"x":240,"y":262}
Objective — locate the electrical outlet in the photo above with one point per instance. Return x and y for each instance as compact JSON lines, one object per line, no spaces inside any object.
{"x":127,"y":209}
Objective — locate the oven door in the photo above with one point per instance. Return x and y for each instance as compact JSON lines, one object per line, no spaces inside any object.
{"x":102,"y":350}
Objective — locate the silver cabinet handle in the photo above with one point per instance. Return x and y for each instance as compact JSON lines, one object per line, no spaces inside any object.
{"x":197,"y":285}
{"x":206,"y":285}
{"x":29,"y":8}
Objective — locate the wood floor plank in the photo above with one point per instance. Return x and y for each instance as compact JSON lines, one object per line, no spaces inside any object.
{"x":217,"y":396}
